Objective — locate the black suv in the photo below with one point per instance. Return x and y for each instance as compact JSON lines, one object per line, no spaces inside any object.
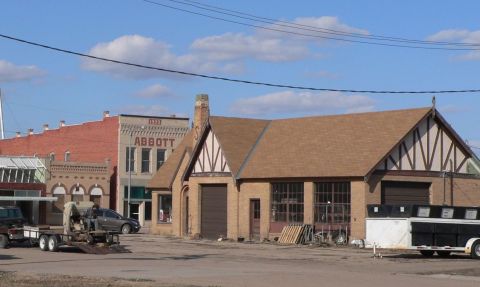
{"x":11,"y":224}
{"x":112,"y":221}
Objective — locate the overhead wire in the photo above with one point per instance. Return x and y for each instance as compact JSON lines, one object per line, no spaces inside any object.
{"x":310,"y":35}
{"x":282,"y":23}
{"x":233,"y":79}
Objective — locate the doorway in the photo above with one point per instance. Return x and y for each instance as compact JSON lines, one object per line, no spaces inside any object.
{"x":134,"y":211}
{"x":255,"y":219}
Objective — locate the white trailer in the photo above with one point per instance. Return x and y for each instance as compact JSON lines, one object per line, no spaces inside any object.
{"x":420,"y":228}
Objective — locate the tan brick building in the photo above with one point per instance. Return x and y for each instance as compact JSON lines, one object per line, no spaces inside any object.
{"x":249,"y":178}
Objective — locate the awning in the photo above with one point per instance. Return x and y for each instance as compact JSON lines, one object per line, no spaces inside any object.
{"x":27,"y":198}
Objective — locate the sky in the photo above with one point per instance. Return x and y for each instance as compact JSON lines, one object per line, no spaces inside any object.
{"x":41,"y":86}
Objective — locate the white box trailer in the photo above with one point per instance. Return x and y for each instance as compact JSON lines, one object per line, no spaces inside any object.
{"x":428,"y":229}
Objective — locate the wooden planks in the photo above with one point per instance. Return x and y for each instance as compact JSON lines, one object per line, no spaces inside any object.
{"x":296,"y":234}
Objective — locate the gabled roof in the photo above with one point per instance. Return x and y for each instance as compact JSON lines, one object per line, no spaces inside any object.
{"x":237,"y":137}
{"x":166,"y":174}
{"x":347,"y":145}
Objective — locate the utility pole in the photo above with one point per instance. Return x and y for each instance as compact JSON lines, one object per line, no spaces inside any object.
{"x":129,"y":172}
{"x":2,"y":132}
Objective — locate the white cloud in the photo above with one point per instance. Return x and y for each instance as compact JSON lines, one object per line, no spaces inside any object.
{"x":10,"y":72}
{"x":155,"y":91}
{"x":147,"y":51}
{"x":303,"y":102}
{"x":460,"y":36}
{"x":234,"y":46}
{"x":273,"y":46}
{"x":318,"y":27}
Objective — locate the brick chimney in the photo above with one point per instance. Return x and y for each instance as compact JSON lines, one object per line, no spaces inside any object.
{"x":200,"y":115}
{"x":62,"y":123}
{"x":18,"y":134}
{"x":30,"y":132}
{"x":106,"y":114}
{"x":45,"y":127}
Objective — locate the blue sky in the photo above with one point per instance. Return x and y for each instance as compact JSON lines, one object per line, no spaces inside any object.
{"x":41,"y":86}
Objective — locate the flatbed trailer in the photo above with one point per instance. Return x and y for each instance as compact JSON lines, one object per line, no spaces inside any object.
{"x":427,"y":229}
{"x":51,"y":239}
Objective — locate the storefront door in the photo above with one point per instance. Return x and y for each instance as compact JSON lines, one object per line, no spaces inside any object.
{"x":134,"y":211}
{"x":255,"y":219}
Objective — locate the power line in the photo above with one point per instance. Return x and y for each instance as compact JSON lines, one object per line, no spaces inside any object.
{"x":236,"y":80}
{"x":310,"y":35}
{"x":281,"y":23}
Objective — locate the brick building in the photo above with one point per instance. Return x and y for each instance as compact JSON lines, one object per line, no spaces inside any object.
{"x":249,"y":178}
{"x":89,"y":160}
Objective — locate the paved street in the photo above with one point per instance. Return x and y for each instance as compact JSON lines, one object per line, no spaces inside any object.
{"x":155,"y":260}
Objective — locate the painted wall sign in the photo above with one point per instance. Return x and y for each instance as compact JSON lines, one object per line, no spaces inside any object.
{"x":160,"y":142}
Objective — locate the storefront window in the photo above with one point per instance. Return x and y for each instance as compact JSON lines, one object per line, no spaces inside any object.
{"x":164,"y":209}
{"x":146,"y":159}
{"x":287,"y":202}
{"x":332,"y":203}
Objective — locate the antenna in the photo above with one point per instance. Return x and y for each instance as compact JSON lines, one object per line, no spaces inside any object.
{"x":434,"y":108}
{"x":2,"y":133}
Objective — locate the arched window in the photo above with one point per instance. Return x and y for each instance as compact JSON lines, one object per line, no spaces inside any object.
{"x":96,"y":195}
{"x":67,"y":156}
{"x":77,"y":193}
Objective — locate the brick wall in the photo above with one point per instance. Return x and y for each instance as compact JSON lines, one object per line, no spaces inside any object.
{"x":92,"y":142}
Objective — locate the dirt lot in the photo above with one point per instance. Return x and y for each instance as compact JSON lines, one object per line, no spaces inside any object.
{"x":161,"y":261}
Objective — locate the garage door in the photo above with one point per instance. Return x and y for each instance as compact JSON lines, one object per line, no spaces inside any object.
{"x":397,"y":192}
{"x":214,"y":211}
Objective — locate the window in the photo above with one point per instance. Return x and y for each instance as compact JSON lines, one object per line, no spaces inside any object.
{"x":97,"y":199}
{"x":287,"y":202}
{"x":130,"y":157}
{"x":67,"y":156}
{"x":160,"y":157}
{"x":146,"y":159}
{"x":111,"y":214}
{"x":332,"y":203}
{"x":164,"y":209}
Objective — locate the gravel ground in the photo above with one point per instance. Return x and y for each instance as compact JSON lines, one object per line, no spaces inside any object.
{"x":163,"y":261}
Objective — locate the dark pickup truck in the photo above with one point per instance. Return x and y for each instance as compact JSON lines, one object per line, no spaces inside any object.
{"x":11,"y":225}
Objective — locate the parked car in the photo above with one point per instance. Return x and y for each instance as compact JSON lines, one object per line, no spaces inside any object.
{"x":11,"y":224}
{"x":110,"y":220}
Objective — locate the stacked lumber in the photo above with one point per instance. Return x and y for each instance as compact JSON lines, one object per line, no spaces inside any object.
{"x":296,"y":234}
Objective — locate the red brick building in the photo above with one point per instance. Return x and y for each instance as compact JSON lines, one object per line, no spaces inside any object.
{"x":113,"y":141}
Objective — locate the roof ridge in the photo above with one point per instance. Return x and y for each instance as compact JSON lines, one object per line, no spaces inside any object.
{"x":250,"y":152}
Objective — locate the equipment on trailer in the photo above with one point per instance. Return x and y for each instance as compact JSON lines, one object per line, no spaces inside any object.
{"x":75,"y":232}
{"x":426,"y":228}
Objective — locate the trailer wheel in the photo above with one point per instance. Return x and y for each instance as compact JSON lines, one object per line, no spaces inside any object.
{"x":476,"y":250}
{"x":443,"y":253}
{"x":3,"y":241}
{"x":43,"y":242}
{"x":53,"y":243}
{"x":427,"y":253}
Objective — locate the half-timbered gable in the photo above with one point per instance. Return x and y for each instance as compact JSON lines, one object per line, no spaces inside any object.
{"x":211,"y":158}
{"x":430,"y":146}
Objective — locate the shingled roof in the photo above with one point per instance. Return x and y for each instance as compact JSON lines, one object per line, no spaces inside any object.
{"x":348,"y":145}
{"x":166,"y":174}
